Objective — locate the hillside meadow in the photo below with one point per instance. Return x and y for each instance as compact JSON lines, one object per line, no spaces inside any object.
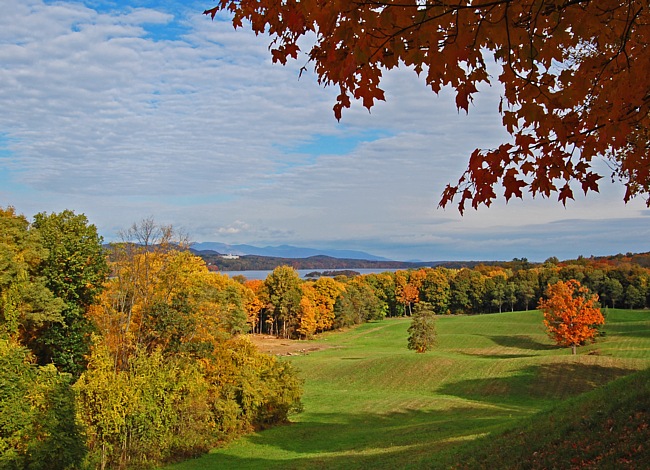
{"x":369,"y":402}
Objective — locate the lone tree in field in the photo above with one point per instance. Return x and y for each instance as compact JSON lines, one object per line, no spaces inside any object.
{"x":571,"y":314}
{"x":574,"y":76}
{"x":422,"y":332}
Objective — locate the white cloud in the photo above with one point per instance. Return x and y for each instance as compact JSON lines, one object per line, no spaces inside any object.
{"x":235,"y":228}
{"x":198,"y":128}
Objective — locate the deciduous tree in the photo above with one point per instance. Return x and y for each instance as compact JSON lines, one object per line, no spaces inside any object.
{"x":37,"y":414}
{"x":574,"y":77}
{"x":74,"y":270}
{"x":384,"y":286}
{"x":571,"y":313}
{"x":467,"y":291}
{"x":436,"y":290}
{"x":526,"y":282}
{"x":634,"y":298}
{"x":357,"y":304}
{"x":327,"y":291}
{"x":149,"y":270}
{"x":283,"y":286}
{"x":257,"y":303}
{"x":307,"y":313}
{"x":26,"y":304}
{"x":170,"y":376}
{"x":407,"y":288}
{"x":156,"y":409}
{"x":496,"y":288}
{"x":612,"y":291}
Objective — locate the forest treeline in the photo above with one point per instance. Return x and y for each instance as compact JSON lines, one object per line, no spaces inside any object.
{"x":135,"y":354}
{"x":290,"y":307}
{"x":123,"y":359}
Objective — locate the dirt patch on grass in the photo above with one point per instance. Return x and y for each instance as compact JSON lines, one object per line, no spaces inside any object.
{"x":284,"y":347}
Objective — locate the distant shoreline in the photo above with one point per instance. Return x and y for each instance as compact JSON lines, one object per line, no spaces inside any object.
{"x":262,"y":274}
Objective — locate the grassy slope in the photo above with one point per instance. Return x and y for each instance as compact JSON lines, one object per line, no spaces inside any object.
{"x":608,"y":427}
{"x":371,"y":403}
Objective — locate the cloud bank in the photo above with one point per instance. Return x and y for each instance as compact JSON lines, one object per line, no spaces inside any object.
{"x":126,"y":112}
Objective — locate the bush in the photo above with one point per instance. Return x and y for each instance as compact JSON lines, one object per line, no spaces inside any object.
{"x":37,"y":414}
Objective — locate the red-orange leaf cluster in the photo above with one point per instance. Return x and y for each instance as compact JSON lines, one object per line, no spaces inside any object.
{"x":575,"y":76}
{"x":571,"y":314}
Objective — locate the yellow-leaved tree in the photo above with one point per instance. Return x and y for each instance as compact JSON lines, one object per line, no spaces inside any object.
{"x":170,"y":374}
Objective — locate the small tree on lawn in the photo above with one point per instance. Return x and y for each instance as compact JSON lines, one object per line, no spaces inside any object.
{"x":422,"y":332}
{"x":571,"y":313}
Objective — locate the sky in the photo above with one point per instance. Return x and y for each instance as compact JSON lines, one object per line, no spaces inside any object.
{"x":125,"y":110}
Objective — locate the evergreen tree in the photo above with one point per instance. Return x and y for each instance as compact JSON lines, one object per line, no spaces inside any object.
{"x":422,"y":332}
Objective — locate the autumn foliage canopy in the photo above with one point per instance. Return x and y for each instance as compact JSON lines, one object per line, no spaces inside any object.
{"x":571,"y":314}
{"x":574,"y":76}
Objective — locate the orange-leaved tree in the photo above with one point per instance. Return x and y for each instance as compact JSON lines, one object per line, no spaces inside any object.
{"x":574,"y":77}
{"x":407,"y":288}
{"x":571,"y":313}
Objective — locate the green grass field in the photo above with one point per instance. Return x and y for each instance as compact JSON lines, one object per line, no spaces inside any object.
{"x":371,"y":403}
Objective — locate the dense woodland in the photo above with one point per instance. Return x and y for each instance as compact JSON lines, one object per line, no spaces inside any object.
{"x":294,"y":308}
{"x":136,"y":354}
{"x":127,"y":358}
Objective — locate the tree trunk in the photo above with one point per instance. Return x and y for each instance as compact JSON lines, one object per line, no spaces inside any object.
{"x":573,"y":349}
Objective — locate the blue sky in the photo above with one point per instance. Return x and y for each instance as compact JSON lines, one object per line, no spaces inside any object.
{"x":123,"y":110}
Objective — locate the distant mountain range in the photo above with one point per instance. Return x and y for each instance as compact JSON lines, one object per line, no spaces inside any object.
{"x":282,"y":251}
{"x":224,"y":257}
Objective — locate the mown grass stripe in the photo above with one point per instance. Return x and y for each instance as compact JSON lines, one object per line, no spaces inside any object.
{"x":371,"y":403}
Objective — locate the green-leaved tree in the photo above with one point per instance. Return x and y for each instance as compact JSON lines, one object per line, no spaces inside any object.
{"x":283,"y":285}
{"x":74,"y":270}
{"x":26,"y":304}
{"x":422,"y":332}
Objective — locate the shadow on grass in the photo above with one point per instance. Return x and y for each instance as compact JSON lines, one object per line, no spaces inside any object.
{"x":548,"y":381}
{"x":415,"y":439}
{"x":627,"y":323}
{"x":415,"y":457}
{"x":522,"y":342}
{"x":605,"y":429}
{"x":358,"y":441}
{"x":497,"y":356}
{"x":364,"y":432}
{"x":639,"y":330}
